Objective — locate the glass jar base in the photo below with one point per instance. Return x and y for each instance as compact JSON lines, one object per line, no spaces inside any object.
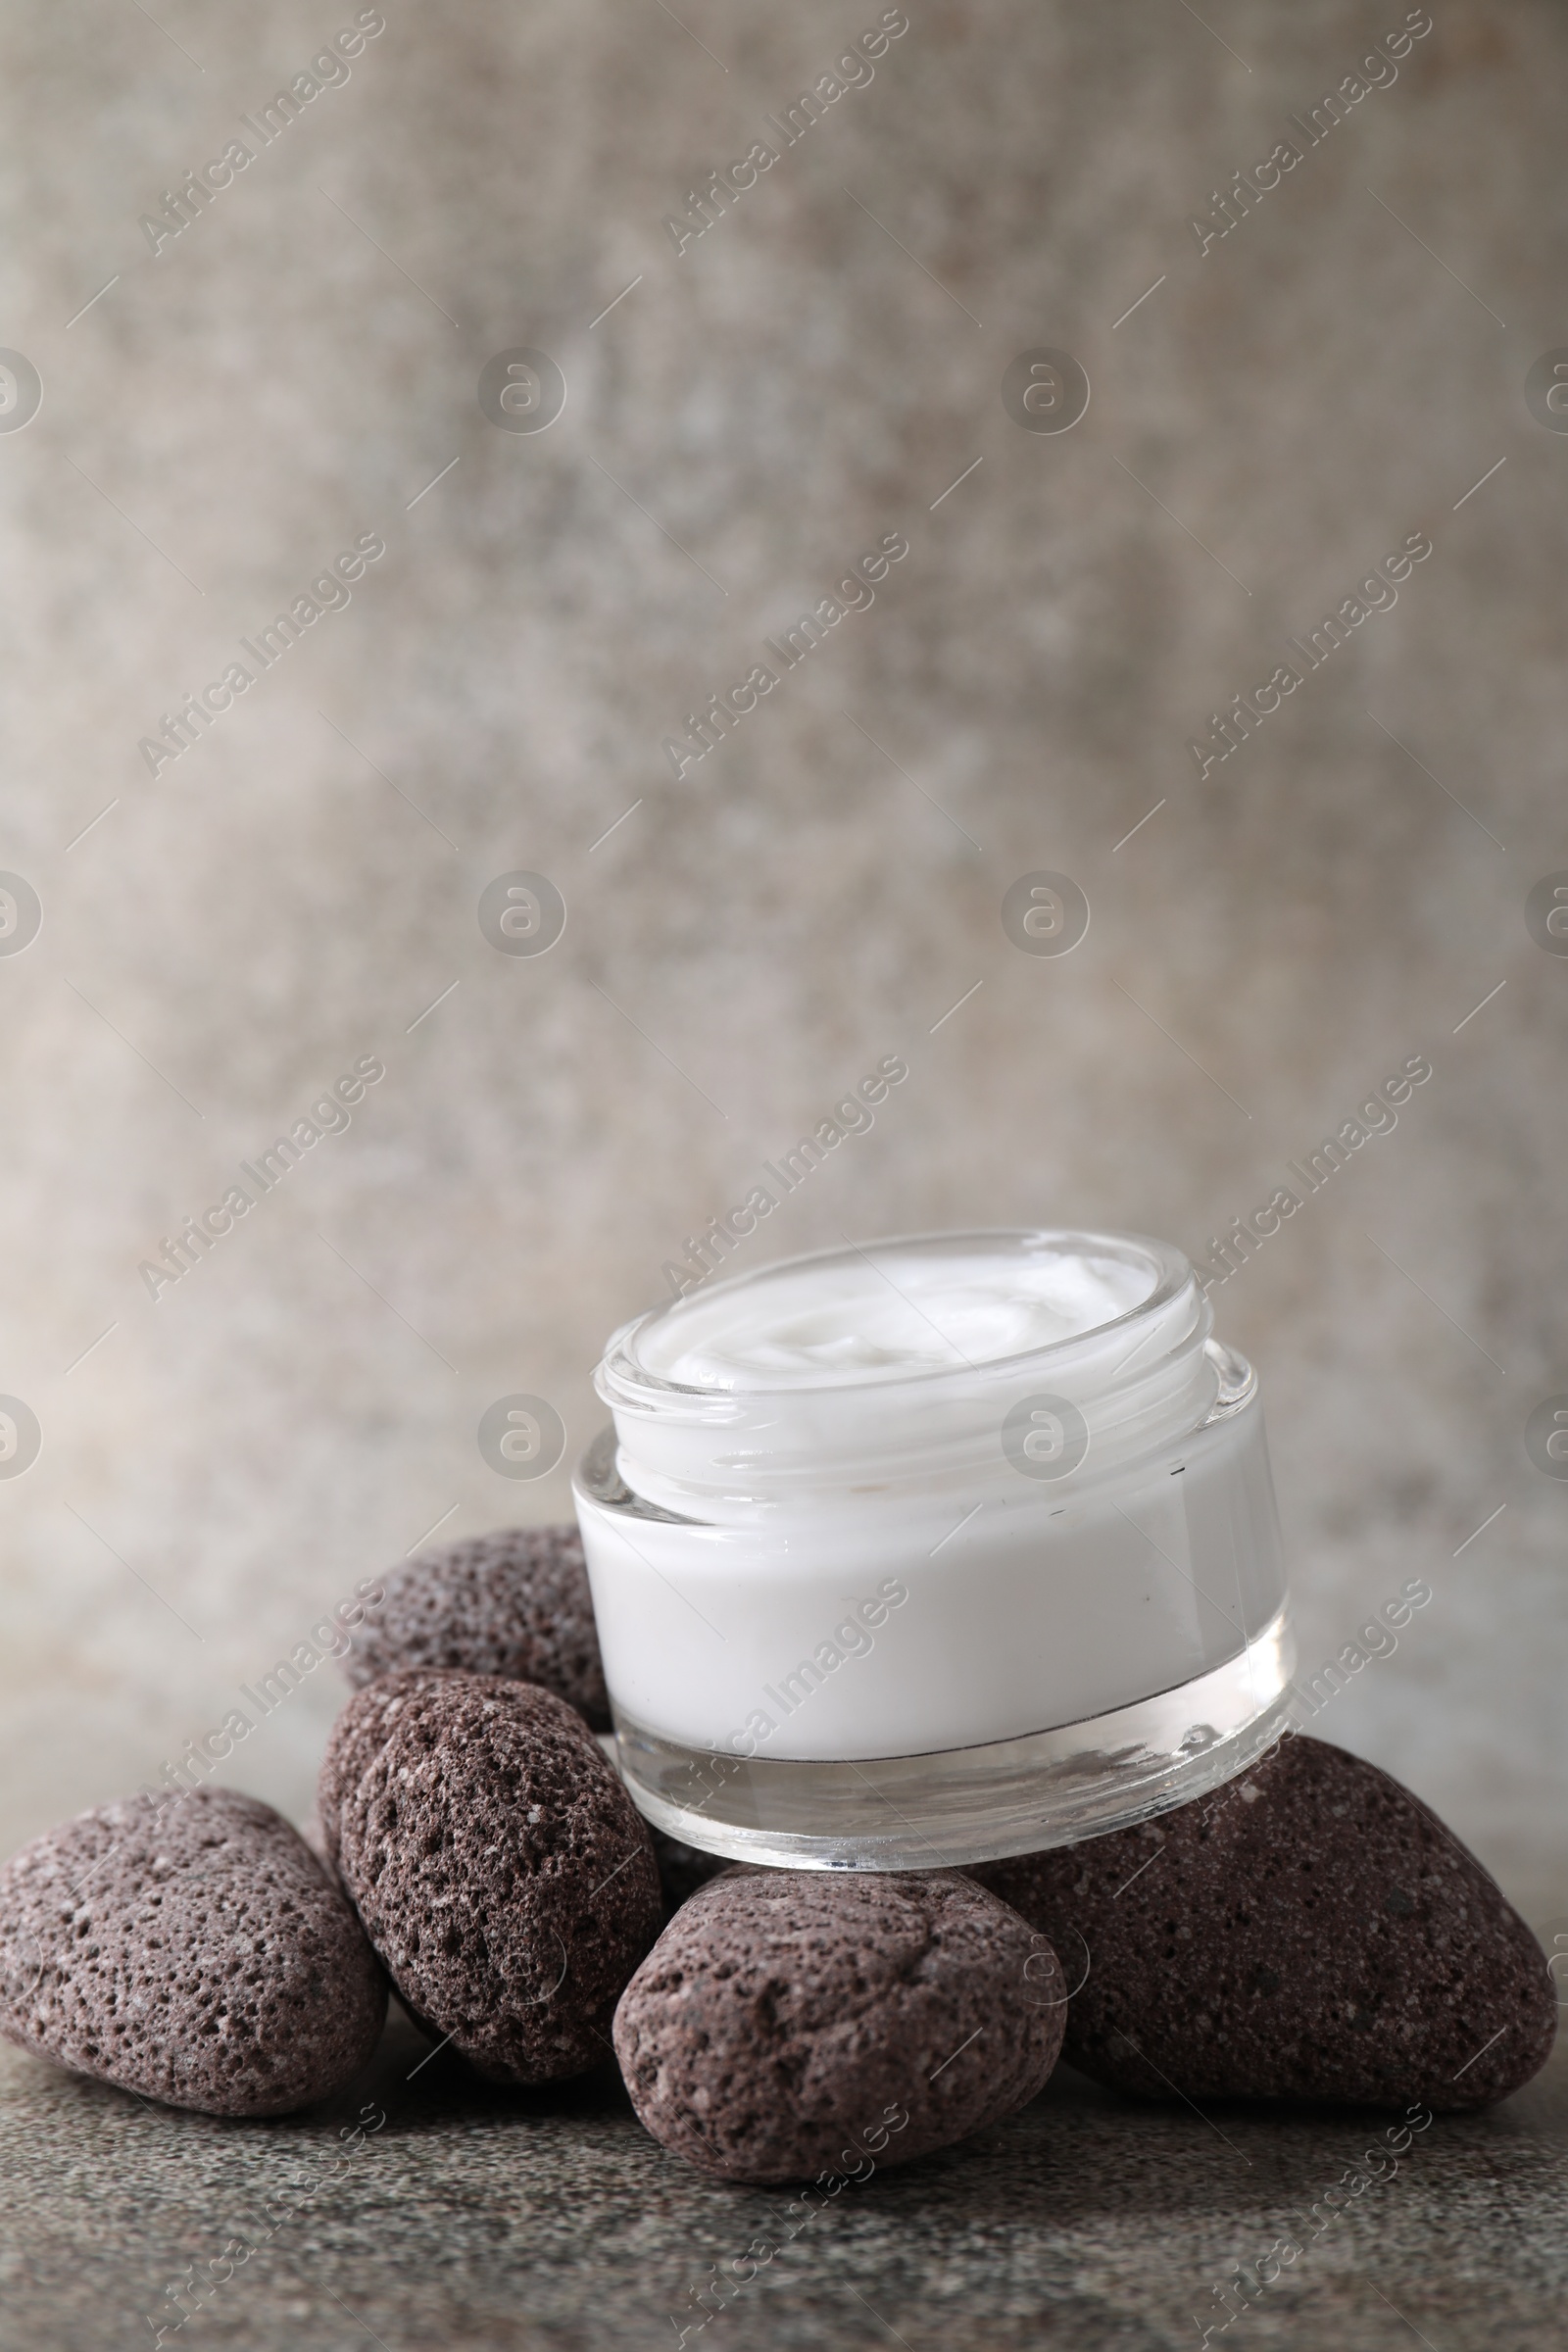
{"x":971,"y":1804}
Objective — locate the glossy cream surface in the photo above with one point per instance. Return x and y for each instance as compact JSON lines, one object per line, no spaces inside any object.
{"x":894,"y":1312}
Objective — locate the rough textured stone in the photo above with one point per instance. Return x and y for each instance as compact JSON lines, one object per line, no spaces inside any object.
{"x":514,"y":1602}
{"x":785,"y":2020}
{"x":500,"y":1868}
{"x":1311,"y":1930}
{"x":190,"y":1951}
{"x":356,"y":1739}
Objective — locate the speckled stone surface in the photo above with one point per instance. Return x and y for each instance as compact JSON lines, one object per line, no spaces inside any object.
{"x":515,"y":1601}
{"x":190,"y":1950}
{"x":357,"y":1737}
{"x":483,"y":2221}
{"x":783,"y":2014}
{"x":1308,"y":1930}
{"x":501,"y":1870}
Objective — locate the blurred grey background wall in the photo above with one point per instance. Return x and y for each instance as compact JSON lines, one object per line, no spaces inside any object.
{"x":748,"y":411}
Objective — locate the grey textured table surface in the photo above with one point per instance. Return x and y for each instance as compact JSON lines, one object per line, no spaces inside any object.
{"x":477,"y":2218}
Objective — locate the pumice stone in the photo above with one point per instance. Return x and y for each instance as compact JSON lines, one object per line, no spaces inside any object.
{"x":1310,"y":1932}
{"x":514,"y":1602}
{"x":356,"y":1739}
{"x":189,"y":1948}
{"x":792,"y":2023}
{"x":501,"y":1872}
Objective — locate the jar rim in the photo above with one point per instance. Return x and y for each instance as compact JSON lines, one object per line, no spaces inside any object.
{"x":621,"y":1375}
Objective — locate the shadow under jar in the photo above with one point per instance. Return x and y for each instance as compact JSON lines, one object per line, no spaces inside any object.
{"x":923,"y":1554}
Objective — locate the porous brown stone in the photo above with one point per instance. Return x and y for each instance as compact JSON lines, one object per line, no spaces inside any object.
{"x":1309,"y":1931}
{"x":356,"y":1739}
{"x":786,"y":2021}
{"x":191,"y":1949}
{"x":501,"y":1872}
{"x":515,"y":1602}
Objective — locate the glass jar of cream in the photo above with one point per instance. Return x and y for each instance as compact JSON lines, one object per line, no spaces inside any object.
{"x":935,"y":1550}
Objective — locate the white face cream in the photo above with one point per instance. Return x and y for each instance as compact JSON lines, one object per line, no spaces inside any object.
{"x":943,"y":1548}
{"x":849,"y":1320}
